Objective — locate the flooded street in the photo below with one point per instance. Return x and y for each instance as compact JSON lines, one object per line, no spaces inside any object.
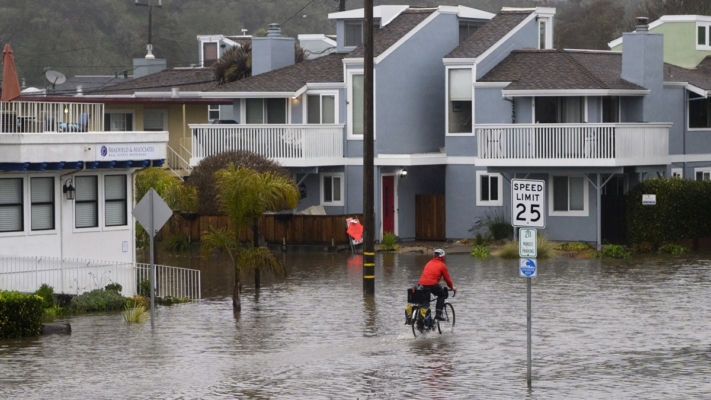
{"x":601,"y":330}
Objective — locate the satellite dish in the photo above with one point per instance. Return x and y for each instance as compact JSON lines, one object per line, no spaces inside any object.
{"x":55,"y":77}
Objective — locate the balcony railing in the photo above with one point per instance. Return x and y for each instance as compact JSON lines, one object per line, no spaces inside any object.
{"x":573,"y":144}
{"x":40,"y":117}
{"x":291,"y":145}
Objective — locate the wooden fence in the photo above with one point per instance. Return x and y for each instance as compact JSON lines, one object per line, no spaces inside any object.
{"x":296,"y":229}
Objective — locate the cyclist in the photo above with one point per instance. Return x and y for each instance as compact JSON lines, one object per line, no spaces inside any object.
{"x":433,"y":272}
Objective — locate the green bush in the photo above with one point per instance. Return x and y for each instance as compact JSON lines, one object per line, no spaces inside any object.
{"x":613,"y":251}
{"x":20,"y":314}
{"x":683,"y":211}
{"x":116,"y":287}
{"x":672,"y":249}
{"x":509,"y":250}
{"x":480,"y":252}
{"x":480,"y":240}
{"x":495,"y":224}
{"x":572,"y":246}
{"x":169,"y":301}
{"x":389,"y":241}
{"x":98,"y":300}
{"x":144,"y":288}
{"x":46,"y":292}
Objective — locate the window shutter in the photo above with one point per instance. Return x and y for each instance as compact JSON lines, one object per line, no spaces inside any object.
{"x":10,"y":205}
{"x":115,"y":195}
{"x":42,"y":198}
{"x":460,"y":84}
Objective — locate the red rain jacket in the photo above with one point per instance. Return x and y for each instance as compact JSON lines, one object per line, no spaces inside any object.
{"x":434,"y":270}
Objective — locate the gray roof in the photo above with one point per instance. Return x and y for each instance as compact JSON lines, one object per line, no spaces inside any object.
{"x":186,"y":79}
{"x":487,"y":36}
{"x":328,"y":68}
{"x":394,"y":31}
{"x":560,"y":69}
{"x":699,"y":76}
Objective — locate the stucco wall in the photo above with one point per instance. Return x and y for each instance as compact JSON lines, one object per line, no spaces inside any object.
{"x":679,"y":44}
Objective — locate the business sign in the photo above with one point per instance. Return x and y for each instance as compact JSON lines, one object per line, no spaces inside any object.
{"x":527,"y":242}
{"x":527,"y":205}
{"x":129,"y":151}
{"x":527,"y":267}
{"x":649,"y":199}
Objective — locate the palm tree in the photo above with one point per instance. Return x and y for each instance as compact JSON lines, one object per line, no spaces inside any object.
{"x":245,"y":194}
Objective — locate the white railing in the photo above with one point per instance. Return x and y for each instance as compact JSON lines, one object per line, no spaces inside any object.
{"x":38,"y":117}
{"x":177,"y":164}
{"x":76,"y":276}
{"x":172,"y":281}
{"x":279,"y":142}
{"x":573,"y":144}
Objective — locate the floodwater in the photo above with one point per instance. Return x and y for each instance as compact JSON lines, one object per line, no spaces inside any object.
{"x":601,"y":330}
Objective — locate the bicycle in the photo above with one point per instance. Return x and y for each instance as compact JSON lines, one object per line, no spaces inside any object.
{"x":418,"y":313}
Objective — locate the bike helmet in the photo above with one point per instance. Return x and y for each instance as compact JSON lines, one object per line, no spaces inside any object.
{"x":439,"y":253}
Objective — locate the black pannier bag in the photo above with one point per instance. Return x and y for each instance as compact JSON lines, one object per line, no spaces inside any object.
{"x":418,"y":296}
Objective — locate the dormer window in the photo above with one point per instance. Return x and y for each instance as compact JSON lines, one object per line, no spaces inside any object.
{"x":703,"y":42}
{"x":354,"y":32}
{"x":209,"y":53}
{"x":467,"y":28}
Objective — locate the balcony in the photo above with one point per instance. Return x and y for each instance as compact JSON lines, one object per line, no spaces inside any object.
{"x":290,"y":145}
{"x":51,"y":135}
{"x":573,"y":145}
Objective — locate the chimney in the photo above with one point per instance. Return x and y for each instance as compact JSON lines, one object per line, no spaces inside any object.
{"x":272,"y":52}
{"x":643,"y":65}
{"x":143,"y":67}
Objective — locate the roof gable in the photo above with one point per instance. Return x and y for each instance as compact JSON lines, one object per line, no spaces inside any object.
{"x":394,"y":31}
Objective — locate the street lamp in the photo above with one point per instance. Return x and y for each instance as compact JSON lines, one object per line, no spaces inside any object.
{"x":149,"y":46}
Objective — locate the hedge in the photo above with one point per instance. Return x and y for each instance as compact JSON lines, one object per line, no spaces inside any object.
{"x":683,"y":211}
{"x":20,"y":314}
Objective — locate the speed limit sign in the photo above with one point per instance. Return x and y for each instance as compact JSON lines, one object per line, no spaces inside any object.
{"x":527,"y":203}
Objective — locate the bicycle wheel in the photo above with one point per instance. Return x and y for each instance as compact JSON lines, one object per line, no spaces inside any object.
{"x":448,"y":323}
{"x":418,"y":323}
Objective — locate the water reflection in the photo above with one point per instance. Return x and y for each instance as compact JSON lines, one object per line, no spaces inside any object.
{"x":601,"y":329}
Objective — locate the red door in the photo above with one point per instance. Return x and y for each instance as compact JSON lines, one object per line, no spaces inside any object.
{"x":389,"y":204}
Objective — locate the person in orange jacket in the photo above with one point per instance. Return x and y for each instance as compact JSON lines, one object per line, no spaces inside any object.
{"x":431,"y":275}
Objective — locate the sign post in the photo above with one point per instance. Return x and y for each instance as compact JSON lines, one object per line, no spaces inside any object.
{"x":527,"y":212}
{"x":152,"y":213}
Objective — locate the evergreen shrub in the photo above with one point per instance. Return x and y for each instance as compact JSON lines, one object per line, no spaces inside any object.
{"x":20,"y":314}
{"x":683,"y":211}
{"x":480,"y":252}
{"x":46,"y":292}
{"x":98,"y":300}
{"x":613,"y":251}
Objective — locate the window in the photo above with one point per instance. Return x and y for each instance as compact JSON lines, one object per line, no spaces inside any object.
{"x":86,"y":213}
{"x":273,"y":111}
{"x":553,"y":110}
{"x":460,"y":100}
{"x":610,"y":109}
{"x":42,"y":207}
{"x":542,"y":34}
{"x":115,"y":200}
{"x":154,"y":120}
{"x":703,"y":42}
{"x":321,"y":109}
{"x":354,"y":32}
{"x":332,"y":189}
{"x":677,"y":172}
{"x":356,"y":104}
{"x":699,"y":112}
{"x":120,"y":121}
{"x":209,"y":54}
{"x":568,"y":196}
{"x":488,"y":189}
{"x":213,"y":112}
{"x":467,"y":28}
{"x":702,"y":174}
{"x":11,"y":205}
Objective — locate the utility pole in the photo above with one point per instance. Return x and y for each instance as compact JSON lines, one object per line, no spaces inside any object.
{"x":368,"y":186}
{"x":149,"y":46}
{"x":341,"y":5}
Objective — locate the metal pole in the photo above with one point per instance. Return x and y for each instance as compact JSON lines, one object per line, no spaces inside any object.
{"x":368,"y":185}
{"x":528,"y":320}
{"x":153,"y":267}
{"x":599,"y":211}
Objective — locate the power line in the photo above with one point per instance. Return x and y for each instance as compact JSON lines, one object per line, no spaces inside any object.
{"x":287,"y":20}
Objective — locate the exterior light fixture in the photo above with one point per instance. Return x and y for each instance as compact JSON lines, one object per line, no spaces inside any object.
{"x":403,"y":173}
{"x":69,"y":190}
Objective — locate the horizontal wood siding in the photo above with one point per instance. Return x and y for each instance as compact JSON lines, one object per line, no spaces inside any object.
{"x":296,"y":229}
